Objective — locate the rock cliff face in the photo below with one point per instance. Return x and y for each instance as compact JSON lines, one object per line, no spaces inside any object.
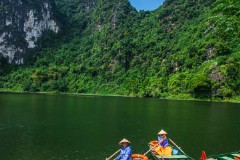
{"x":22,"y":22}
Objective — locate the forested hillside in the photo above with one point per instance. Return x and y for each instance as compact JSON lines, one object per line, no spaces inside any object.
{"x":185,"y":49}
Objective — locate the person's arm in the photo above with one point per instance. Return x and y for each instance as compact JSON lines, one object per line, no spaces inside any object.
{"x":160,"y":139}
{"x":119,"y":156}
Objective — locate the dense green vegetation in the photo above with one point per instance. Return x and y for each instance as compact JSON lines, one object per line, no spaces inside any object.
{"x":187,"y":49}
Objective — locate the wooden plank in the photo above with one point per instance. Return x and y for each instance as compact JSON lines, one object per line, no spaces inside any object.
{"x":226,"y":158}
{"x":236,"y":155}
{"x":172,"y":157}
{"x":176,"y":156}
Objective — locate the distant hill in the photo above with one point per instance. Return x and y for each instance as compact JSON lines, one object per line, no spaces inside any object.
{"x":185,"y":49}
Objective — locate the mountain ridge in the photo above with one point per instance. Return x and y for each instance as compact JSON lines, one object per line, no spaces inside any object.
{"x":110,"y":48}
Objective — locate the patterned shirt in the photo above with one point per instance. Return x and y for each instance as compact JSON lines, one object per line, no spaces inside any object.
{"x":125,"y":154}
{"x":163,"y":142}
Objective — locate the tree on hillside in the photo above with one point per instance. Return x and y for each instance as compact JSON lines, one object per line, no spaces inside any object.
{"x":226,"y":19}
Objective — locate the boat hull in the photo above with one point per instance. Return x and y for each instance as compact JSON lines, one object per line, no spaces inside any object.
{"x":225,"y":156}
{"x":177,"y":156}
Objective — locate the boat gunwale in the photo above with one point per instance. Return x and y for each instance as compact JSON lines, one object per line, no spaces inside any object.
{"x":187,"y":156}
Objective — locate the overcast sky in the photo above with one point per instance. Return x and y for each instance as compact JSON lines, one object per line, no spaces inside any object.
{"x":146,"y":4}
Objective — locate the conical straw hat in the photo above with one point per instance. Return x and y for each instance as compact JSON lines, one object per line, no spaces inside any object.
{"x":162,"y":132}
{"x":124,"y":141}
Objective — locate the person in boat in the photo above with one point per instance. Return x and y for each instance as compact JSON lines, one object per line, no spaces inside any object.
{"x":163,"y":149}
{"x":126,"y":151}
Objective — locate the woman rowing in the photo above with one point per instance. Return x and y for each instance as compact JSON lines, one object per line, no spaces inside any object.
{"x":163,"y":149}
{"x":126,"y":151}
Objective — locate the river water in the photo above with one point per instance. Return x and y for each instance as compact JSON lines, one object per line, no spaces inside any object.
{"x":60,"y":127}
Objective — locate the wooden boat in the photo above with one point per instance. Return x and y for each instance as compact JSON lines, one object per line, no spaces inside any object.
{"x":225,"y":156}
{"x":176,"y":155}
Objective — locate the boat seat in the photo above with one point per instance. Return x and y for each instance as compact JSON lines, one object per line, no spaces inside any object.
{"x":173,"y":157}
{"x":236,"y":155}
{"x":226,"y":158}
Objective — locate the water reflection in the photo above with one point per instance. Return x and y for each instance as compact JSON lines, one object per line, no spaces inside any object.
{"x":71,"y":127}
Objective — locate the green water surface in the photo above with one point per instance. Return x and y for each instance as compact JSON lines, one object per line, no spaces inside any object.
{"x":59,"y":127}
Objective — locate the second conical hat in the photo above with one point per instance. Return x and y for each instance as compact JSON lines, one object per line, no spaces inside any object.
{"x":162,"y":132}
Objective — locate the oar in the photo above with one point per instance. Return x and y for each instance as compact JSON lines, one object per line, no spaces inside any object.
{"x":113,"y":154}
{"x":176,"y":145}
{"x":151,"y":148}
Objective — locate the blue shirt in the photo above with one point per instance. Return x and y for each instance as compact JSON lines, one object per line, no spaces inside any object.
{"x":163,"y":142}
{"x":125,"y":154}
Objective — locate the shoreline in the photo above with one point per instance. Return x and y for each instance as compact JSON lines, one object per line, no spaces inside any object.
{"x":62,"y":93}
{"x":171,"y":97}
